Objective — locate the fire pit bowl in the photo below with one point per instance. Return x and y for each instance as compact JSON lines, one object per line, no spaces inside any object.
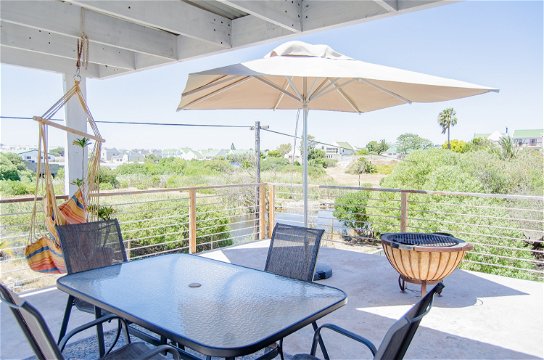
{"x":422,"y":258}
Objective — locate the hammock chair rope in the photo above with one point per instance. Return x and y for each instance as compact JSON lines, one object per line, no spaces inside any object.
{"x":44,"y":253}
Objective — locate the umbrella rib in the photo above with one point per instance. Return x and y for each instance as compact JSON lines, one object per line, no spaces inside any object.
{"x":219,"y":80}
{"x":293,"y":86}
{"x":218,"y":91}
{"x":316,"y":91}
{"x":347,"y":98}
{"x":285,"y":85}
{"x":330,"y":88}
{"x":271,"y":84}
{"x":386,"y":91}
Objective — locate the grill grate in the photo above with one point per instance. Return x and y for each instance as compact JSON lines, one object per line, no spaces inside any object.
{"x":430,"y":240}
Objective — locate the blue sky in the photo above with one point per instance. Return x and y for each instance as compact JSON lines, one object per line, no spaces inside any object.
{"x":492,"y":43}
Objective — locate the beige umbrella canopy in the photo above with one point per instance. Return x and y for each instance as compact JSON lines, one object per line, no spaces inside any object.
{"x":298,"y":75}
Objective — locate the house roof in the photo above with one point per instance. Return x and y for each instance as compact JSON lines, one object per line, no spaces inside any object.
{"x":344,"y":144}
{"x":529,"y":133}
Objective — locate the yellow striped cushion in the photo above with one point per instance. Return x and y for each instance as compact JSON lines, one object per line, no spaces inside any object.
{"x":44,"y":255}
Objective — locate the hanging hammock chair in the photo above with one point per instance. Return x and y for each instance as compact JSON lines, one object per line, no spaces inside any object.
{"x":43,"y":252}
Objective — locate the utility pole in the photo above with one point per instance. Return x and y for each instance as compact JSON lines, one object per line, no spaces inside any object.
{"x":257,"y":129}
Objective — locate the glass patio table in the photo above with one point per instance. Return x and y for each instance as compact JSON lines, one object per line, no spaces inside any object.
{"x":215,"y":308}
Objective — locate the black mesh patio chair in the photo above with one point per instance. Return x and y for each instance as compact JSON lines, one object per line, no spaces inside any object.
{"x":89,"y":246}
{"x":44,"y":346}
{"x":395,"y":342}
{"x":293,"y":253}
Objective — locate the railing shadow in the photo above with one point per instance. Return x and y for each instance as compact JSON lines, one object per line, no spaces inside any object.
{"x":358,"y":273}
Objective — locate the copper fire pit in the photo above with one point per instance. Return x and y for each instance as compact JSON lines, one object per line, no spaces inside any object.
{"x":423,"y":258}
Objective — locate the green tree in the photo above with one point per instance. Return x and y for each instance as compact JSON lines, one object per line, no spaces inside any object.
{"x":361,"y":166}
{"x":12,"y":167}
{"x":377,"y":147}
{"x":284,"y":149}
{"x":446,"y":119}
{"x":373,"y":147}
{"x":57,"y":151}
{"x":311,"y":145}
{"x":407,"y":143}
{"x":274,"y":153}
{"x":383,"y":146}
{"x":317,"y":158}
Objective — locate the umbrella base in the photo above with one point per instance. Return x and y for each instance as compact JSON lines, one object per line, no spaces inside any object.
{"x":322,"y":271}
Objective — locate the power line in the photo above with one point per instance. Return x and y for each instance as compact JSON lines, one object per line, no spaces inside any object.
{"x":314,"y":141}
{"x":141,"y":123}
{"x":192,"y":125}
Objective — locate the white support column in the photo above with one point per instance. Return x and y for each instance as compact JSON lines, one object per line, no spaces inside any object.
{"x":75,"y":159}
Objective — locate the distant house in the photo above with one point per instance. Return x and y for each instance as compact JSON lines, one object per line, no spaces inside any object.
{"x":32,"y":156}
{"x":337,"y":149}
{"x":528,"y":138}
{"x":107,"y":154}
{"x":392,"y":152}
{"x":190,"y":154}
{"x":345,"y":148}
{"x":494,"y":136}
{"x":133,"y":156}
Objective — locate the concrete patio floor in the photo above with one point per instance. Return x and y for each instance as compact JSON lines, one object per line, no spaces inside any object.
{"x":479,"y":316}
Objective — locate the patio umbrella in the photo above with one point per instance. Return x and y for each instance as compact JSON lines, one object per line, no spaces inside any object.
{"x":297,"y":75}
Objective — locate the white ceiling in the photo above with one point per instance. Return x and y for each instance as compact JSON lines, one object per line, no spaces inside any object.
{"x":128,"y":36}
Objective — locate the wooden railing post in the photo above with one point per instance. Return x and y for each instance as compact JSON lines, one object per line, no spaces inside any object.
{"x":262,"y":209}
{"x":271,"y":209}
{"x":192,"y":221}
{"x":403,"y":211}
{"x":128,"y":246}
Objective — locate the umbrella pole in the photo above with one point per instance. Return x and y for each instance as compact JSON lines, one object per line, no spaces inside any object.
{"x":305,"y":161}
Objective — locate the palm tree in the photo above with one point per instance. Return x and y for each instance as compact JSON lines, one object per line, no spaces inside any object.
{"x":508,"y":148}
{"x":82,"y":143}
{"x":446,"y":119}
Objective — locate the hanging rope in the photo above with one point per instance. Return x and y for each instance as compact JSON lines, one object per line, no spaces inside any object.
{"x":44,"y":253}
{"x":294,"y":150}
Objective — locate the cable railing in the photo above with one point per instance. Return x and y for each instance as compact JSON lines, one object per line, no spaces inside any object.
{"x":507,"y":231}
{"x":158,"y":221}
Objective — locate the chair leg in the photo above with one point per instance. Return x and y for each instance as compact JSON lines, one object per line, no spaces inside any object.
{"x":66,"y":318}
{"x":281,"y":349}
{"x":127,"y":332}
{"x":99,"y":332}
{"x":321,"y":343}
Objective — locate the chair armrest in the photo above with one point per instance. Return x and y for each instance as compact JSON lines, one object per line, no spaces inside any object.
{"x":157,"y":350}
{"x":86,"y":326}
{"x":344,"y":332}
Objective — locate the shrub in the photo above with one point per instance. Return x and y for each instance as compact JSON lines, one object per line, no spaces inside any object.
{"x":11,"y":187}
{"x":159,"y":226}
{"x":351,"y":210}
{"x":458,"y":146}
{"x":385,"y":169}
{"x":107,"y":179}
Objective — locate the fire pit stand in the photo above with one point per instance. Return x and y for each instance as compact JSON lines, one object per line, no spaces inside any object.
{"x":422,"y":258}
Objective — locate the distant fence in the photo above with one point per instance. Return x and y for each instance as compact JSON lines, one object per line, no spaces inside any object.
{"x":507,"y":230}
